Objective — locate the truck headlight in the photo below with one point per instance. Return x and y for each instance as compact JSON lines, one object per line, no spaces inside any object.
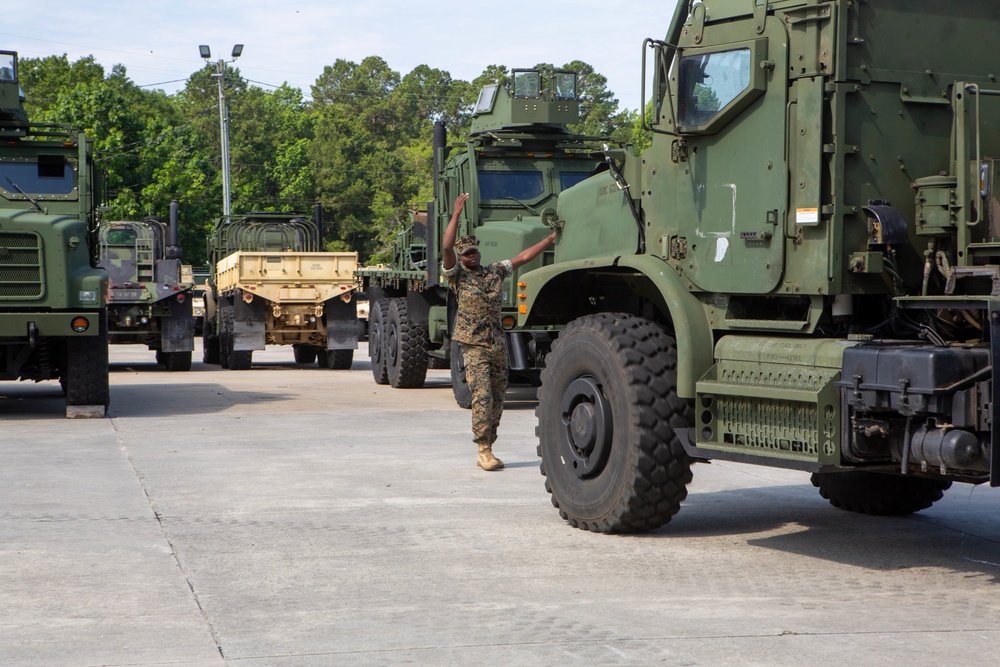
{"x":88,"y":296}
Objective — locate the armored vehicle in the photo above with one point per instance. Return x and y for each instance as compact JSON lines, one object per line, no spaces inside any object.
{"x":803,"y":271}
{"x":53,"y":322}
{"x":272,"y":285}
{"x":517,"y":160}
{"x":149,"y":300}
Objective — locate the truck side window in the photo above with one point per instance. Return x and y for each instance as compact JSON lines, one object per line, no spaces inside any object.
{"x":709,"y":82}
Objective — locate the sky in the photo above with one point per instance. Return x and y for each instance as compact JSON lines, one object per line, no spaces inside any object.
{"x":291,"y":41}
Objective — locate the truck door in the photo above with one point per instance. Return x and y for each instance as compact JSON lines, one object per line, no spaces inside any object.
{"x":720,"y":187}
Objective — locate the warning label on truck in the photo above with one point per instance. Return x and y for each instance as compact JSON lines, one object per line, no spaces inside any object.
{"x":807,"y":216}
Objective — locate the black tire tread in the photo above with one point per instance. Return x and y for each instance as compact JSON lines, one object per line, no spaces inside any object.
{"x":410,"y":371}
{"x":662,"y":470}
{"x":338,"y":360}
{"x":376,"y":339}
{"x":304,"y":354}
{"x":176,"y":361}
{"x":210,"y":349}
{"x":879,"y":494}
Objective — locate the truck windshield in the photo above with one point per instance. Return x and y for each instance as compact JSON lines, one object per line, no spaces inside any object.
{"x":7,"y":67}
{"x":522,"y":185}
{"x":45,"y":177}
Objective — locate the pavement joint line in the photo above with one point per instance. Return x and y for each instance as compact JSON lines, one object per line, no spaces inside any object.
{"x":605,"y":641}
{"x":173,"y":551}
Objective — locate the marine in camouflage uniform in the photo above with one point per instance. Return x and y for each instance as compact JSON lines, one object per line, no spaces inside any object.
{"x":483,"y":343}
{"x":479,"y":292}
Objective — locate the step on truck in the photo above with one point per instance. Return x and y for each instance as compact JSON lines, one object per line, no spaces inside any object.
{"x":149,"y":298}
{"x":272,"y":285}
{"x":802,"y":271}
{"x":53,"y":322}
{"x":518,"y":158}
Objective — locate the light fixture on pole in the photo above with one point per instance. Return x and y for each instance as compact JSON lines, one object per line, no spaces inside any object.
{"x":220,"y":72}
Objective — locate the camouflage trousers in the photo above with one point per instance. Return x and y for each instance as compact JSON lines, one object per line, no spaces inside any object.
{"x":486,"y":372}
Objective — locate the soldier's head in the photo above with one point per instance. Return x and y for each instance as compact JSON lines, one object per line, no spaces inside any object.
{"x":467,"y":249}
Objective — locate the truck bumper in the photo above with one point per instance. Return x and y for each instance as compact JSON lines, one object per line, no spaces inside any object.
{"x":21,"y":325}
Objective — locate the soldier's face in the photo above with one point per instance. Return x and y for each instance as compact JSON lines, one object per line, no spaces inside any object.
{"x":470,"y":258}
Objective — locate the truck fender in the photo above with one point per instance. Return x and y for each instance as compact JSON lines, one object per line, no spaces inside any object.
{"x":542,"y":293}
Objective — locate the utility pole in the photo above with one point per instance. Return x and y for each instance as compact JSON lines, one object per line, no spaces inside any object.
{"x":220,"y":75}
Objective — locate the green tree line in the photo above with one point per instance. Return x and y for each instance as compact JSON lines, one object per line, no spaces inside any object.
{"x":361,"y":146}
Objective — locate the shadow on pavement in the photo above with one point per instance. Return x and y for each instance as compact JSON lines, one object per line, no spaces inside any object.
{"x":158,"y":400}
{"x":30,"y":400}
{"x":812,"y":528}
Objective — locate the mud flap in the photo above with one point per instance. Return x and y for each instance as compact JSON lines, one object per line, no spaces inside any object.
{"x":249,"y":321}
{"x":178,"y":329}
{"x":341,"y":324}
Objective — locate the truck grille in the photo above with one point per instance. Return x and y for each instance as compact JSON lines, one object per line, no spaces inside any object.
{"x":20,"y":265}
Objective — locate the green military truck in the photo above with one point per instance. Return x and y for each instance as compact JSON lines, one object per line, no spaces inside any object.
{"x":53,"y":322}
{"x":517,"y":160}
{"x":272,"y":285}
{"x":149,"y":298}
{"x":803,"y":271}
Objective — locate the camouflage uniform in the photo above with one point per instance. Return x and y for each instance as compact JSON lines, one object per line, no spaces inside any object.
{"x":484,"y":346}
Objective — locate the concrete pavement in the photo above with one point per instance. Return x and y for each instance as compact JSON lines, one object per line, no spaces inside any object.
{"x":294,"y":516}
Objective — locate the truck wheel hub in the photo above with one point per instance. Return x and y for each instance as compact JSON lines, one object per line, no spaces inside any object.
{"x":586,"y":432}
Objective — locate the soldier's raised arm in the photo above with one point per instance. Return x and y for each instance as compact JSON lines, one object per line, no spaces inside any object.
{"x":451,"y":232}
{"x":534,"y":251}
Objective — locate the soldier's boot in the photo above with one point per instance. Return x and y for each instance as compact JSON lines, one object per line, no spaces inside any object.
{"x":486,"y":459}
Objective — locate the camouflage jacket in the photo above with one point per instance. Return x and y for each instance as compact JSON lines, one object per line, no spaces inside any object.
{"x":479,"y":294}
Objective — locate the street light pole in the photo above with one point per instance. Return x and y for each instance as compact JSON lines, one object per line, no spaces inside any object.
{"x":220,"y":75}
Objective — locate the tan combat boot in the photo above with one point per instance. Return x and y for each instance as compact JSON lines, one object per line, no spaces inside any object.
{"x":486,"y":459}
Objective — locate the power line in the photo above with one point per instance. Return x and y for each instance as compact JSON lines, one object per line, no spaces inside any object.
{"x":161,"y":83}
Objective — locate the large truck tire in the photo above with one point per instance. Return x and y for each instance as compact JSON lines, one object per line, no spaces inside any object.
{"x":459,"y":384}
{"x":405,"y":345}
{"x":607,"y":410}
{"x":304,"y":354}
{"x":377,"y":313}
{"x":240,"y":360}
{"x":176,"y":361}
{"x":879,"y":494}
{"x":86,"y":376}
{"x":209,"y":348}
{"x":339,"y":360}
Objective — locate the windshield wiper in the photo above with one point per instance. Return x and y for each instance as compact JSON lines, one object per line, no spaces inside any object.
{"x":26,"y":195}
{"x":514,"y":199}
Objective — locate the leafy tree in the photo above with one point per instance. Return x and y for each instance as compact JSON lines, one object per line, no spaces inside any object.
{"x":362,"y":146}
{"x":45,"y":79}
